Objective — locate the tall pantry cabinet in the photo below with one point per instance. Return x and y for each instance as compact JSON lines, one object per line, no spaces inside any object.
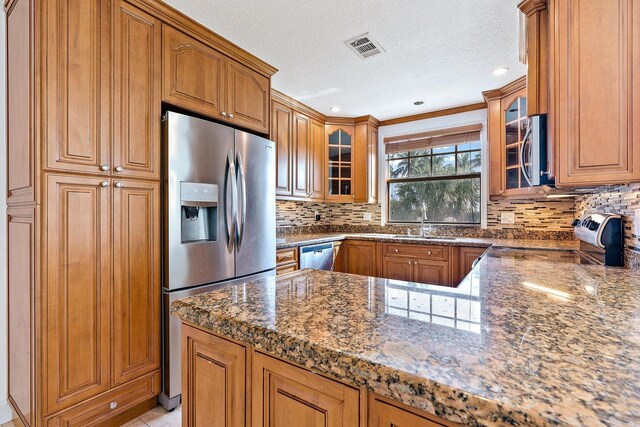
{"x":84,"y":205}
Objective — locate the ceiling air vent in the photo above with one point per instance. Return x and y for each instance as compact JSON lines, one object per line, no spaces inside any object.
{"x":364,"y":46}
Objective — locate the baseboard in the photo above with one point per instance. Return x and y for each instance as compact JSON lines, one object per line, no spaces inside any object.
{"x":6,"y":412}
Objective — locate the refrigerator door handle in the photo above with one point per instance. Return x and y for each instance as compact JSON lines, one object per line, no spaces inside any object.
{"x":230,"y":224}
{"x":243,"y":210}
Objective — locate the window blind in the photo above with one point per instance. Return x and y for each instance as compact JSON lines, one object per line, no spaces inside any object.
{"x":434,"y":138}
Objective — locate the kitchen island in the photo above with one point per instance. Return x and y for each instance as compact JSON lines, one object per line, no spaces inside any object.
{"x":527,"y":338}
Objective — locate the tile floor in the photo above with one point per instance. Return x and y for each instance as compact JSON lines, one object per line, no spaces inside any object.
{"x":157,"y":417}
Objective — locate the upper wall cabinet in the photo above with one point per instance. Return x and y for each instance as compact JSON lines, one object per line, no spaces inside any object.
{"x":298,"y":133}
{"x":248,"y":95}
{"x":584,"y":70}
{"x":340,"y":165}
{"x":194,"y":74}
{"x":199,"y":78}
{"x":596,"y":91}
{"x":77,"y":99}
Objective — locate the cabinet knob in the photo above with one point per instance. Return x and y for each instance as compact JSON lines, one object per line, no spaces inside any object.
{"x":119,"y":185}
{"x":118,"y":169}
{"x":224,"y":114}
{"x":104,"y":184}
{"x":410,"y":262}
{"x":428,"y":253}
{"x":230,"y":115}
{"x":113,"y":405}
{"x":104,"y":168}
{"x":396,"y":250}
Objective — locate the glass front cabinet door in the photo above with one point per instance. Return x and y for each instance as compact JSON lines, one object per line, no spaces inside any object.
{"x":514,"y":128}
{"x":340,"y":144}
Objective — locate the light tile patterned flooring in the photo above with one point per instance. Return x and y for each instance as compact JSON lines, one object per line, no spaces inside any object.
{"x":157,"y":417}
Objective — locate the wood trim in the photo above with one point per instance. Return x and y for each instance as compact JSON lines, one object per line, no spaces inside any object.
{"x":529,"y":7}
{"x":505,"y":90}
{"x":296,"y":105}
{"x":178,"y":20}
{"x":433,"y":114}
{"x":435,"y":133}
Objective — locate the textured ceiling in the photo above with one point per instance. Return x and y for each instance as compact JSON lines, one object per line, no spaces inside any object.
{"x":441,"y":52}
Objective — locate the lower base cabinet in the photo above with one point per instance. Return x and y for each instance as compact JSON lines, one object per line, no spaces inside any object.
{"x":222,"y":377}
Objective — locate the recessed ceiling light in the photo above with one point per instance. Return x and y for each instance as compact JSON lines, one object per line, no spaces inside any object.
{"x":500,"y":71}
{"x":418,"y":103}
{"x":334,"y":109}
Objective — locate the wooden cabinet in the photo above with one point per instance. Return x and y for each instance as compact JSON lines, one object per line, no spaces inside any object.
{"x":301,"y":152}
{"x":384,"y":412}
{"x":183,"y":59}
{"x":316,"y":160}
{"x":282,"y":134}
{"x":299,"y":136}
{"x":213,"y":380}
{"x":77,"y":100}
{"x":284,"y":395}
{"x":466,"y":257}
{"x":397,"y":268}
{"x":136,"y":279}
{"x":537,"y":48}
{"x":337,"y":257}
{"x":340,"y":166}
{"x":137,"y":93}
{"x":507,"y":117}
{"x":365,"y":162}
{"x":248,"y":97}
{"x":595,"y":91}
{"x":286,"y":260}
{"x":77,"y":277}
{"x":432,"y":272}
{"x":359,"y":257}
{"x":86,"y":80}
{"x":200,"y":78}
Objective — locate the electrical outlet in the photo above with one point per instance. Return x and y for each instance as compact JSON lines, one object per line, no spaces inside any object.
{"x":508,"y":217}
{"x":317,"y":215}
{"x":367,"y":216}
{"x":636,"y":223}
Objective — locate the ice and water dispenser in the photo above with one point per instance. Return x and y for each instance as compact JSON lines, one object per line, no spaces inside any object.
{"x":199,"y":216}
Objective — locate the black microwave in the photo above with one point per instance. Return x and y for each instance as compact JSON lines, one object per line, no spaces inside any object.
{"x":534,"y":159}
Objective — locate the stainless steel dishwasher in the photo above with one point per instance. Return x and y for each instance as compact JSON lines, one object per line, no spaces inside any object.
{"x":317,"y":257}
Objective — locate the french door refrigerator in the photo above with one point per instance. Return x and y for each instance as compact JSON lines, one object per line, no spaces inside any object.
{"x":219,"y":219}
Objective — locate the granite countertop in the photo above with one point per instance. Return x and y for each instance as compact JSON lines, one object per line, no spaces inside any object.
{"x":527,"y":339}
{"x":294,"y":240}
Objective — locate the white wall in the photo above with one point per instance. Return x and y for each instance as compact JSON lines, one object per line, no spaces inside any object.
{"x":5,"y":410}
{"x":461,"y":119}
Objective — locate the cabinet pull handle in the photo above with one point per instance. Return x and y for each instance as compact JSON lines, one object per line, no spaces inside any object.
{"x":104,"y":168}
{"x":104,"y":184}
{"x":119,"y":185}
{"x":230,"y":115}
{"x":224,"y":114}
{"x":118,"y":169}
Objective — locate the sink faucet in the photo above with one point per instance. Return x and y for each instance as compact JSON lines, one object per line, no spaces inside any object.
{"x":423,"y":218}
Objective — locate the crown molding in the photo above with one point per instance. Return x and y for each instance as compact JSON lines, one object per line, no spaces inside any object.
{"x":508,"y":89}
{"x":432,"y":114}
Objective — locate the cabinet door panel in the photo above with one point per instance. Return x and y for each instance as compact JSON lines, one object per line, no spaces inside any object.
{"x":383,"y":414}
{"x":194,"y":74}
{"x":213,"y":388}
{"x":136,"y":147}
{"x":77,"y":290}
{"x":285,"y":395}
{"x":281,"y":121}
{"x":360,"y":257}
{"x":595,"y":91}
{"x":77,"y":77}
{"x":397,"y":268}
{"x":466,"y":258}
{"x":136,"y":314}
{"x":248,"y":97}
{"x":301,"y":155}
{"x":316,"y":160}
{"x":432,"y":273}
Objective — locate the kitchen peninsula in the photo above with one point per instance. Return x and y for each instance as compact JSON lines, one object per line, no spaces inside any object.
{"x":527,"y":338}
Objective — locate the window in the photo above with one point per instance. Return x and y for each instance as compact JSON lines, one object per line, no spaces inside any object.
{"x":446,"y":178}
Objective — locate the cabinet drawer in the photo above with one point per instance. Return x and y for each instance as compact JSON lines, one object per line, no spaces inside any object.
{"x":286,"y":269}
{"x":384,"y":413}
{"x":439,"y":253}
{"x":99,"y":410}
{"x":286,"y":256}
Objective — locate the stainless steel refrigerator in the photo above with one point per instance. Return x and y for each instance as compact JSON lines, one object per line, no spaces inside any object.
{"x":219,"y":219}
